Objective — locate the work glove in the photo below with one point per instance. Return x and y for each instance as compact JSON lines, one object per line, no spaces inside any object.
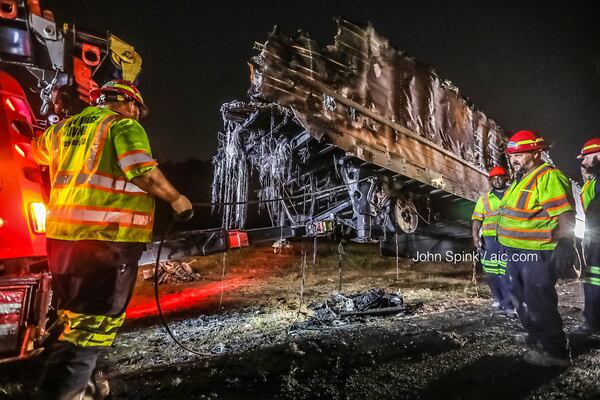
{"x":183,"y":208}
{"x":563,"y":258}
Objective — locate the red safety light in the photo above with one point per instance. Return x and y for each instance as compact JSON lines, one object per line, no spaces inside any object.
{"x":12,"y":302}
{"x":37,"y":216}
{"x":20,"y":150}
{"x":1,"y":222}
{"x":19,"y":106}
{"x":10,"y":104}
{"x":237,"y":239}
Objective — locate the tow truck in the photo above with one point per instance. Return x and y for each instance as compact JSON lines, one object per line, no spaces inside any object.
{"x":46,"y":73}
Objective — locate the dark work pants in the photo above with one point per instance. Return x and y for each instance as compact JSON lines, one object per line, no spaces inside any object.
{"x":92,"y":278}
{"x":495,"y":272}
{"x":591,"y":284}
{"x":532,"y":281}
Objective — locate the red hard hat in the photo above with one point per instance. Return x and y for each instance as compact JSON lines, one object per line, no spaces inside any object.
{"x":590,"y":147}
{"x":523,"y":142}
{"x":497,"y":171}
{"x":121,"y":90}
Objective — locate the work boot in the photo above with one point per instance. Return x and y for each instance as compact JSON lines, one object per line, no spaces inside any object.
{"x":510,"y":313}
{"x":97,"y":387}
{"x":585,"y":330}
{"x":496,"y":304}
{"x":541,"y":358}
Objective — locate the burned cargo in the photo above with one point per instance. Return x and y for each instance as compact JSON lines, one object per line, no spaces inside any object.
{"x":356,"y":135}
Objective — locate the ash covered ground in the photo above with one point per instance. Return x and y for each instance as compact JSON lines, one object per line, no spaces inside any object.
{"x":264,"y":343}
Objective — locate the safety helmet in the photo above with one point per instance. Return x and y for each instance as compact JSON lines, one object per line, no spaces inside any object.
{"x":523,"y":142}
{"x":119,"y":90}
{"x":590,"y":147}
{"x":497,"y":171}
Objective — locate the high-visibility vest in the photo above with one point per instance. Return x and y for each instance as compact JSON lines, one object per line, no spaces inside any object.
{"x":588,"y":192}
{"x":486,"y":210}
{"x":92,"y":157}
{"x":529,"y":210}
{"x":589,"y":199}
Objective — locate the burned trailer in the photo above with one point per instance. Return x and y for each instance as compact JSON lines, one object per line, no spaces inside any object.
{"x":358,"y":135}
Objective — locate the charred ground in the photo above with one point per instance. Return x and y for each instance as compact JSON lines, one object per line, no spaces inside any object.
{"x":264,"y":345}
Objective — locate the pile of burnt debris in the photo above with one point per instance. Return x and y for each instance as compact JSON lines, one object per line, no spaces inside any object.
{"x":173,"y":272}
{"x":341,"y":309}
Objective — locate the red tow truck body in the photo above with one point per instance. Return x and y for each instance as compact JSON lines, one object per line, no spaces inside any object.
{"x":24,"y":284}
{"x":51,"y":67}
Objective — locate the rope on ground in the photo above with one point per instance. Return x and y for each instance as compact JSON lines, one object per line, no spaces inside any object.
{"x":474,"y":277}
{"x":302,"y":281}
{"x":397,"y":260}
{"x":224,"y":261}
{"x":341,"y":259}
{"x":314,"y":255}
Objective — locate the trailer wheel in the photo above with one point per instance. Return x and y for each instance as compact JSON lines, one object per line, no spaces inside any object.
{"x":405,"y":215}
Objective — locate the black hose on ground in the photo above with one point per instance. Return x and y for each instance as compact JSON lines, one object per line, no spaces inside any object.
{"x":184,"y":216}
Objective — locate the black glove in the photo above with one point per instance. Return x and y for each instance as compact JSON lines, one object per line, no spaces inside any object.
{"x":183,"y":209}
{"x":563,"y":258}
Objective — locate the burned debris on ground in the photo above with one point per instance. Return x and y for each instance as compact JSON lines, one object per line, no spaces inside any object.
{"x":340,"y":309}
{"x":266,"y":346}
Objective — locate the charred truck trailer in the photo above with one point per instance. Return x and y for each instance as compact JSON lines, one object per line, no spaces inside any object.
{"x":51,"y":67}
{"x":355,"y":135}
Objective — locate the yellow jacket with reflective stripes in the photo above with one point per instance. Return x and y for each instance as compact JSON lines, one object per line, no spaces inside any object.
{"x":588,"y":192}
{"x":92,"y":157}
{"x":530,"y":208}
{"x":486,"y":210}
{"x":590,"y":195}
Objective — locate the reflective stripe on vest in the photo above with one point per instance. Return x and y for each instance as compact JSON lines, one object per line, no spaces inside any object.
{"x":135,"y":159}
{"x":525,"y":194}
{"x":588,"y":192}
{"x":523,"y":214}
{"x":491,"y":203}
{"x":486,"y":203}
{"x":89,"y":330}
{"x":477,"y":215}
{"x":524,"y":225}
{"x":97,"y":181}
{"x":56,"y":144}
{"x":98,"y":143}
{"x":592,"y":275}
{"x":100,"y":216}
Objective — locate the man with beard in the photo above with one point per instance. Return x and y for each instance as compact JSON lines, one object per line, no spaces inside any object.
{"x":535,"y":228}
{"x":484,"y":221}
{"x":590,"y":198}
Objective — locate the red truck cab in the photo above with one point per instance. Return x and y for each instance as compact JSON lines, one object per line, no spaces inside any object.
{"x":24,"y":283}
{"x":22,"y":202}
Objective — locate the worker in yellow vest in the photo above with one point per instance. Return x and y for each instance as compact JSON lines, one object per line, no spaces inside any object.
{"x":483,"y":229}
{"x":535,"y":228}
{"x":100,"y":215}
{"x":590,"y":198}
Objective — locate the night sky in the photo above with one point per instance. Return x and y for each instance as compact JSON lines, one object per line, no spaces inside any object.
{"x":528,"y":66}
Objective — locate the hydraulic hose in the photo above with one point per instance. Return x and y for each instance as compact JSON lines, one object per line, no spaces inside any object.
{"x":183,"y":216}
